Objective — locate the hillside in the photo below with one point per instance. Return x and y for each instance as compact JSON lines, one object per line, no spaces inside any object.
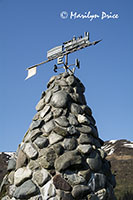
{"x":4,"y":157}
{"x":120,"y":154}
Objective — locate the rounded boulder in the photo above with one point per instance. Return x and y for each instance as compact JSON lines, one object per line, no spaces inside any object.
{"x":59,"y":99}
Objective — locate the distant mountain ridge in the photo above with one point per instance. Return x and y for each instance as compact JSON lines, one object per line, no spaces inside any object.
{"x":118,"y":147}
{"x":119,"y":153}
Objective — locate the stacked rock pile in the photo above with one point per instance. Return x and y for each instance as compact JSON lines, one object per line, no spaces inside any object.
{"x":60,"y":157}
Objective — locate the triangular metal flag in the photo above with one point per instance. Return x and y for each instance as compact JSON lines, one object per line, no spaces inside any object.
{"x":31,"y":72}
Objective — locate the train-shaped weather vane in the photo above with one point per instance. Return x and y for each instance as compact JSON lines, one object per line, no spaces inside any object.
{"x":62,"y":51}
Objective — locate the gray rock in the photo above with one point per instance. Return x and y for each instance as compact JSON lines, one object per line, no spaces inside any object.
{"x":11,"y":164}
{"x":85,"y":139}
{"x":21,"y":175}
{"x":48,"y":96}
{"x":71,"y":80}
{"x":72,"y":130}
{"x":86,"y":174}
{"x":85,"y":148}
{"x":45,"y":111}
{"x":78,"y":96}
{"x":51,"y":86}
{"x":60,"y":131}
{"x":26,"y":190}
{"x":82,"y":119}
{"x":41,"y":176}
{"x":97,"y":182}
{"x":43,"y":94}
{"x":60,"y":183}
{"x":94,"y":161}
{"x":62,"y":121}
{"x":64,"y":113}
{"x":56,"y":88}
{"x":48,"y":190}
{"x":52,"y":79}
{"x":12,"y":189}
{"x":48,"y":159}
{"x":74,"y":97}
{"x":76,"y":109}
{"x":54,"y":138}
{"x":40,"y":105}
{"x":80,"y":191}
{"x":103,"y":154}
{"x":41,"y":142}
{"x":73,"y":178}
{"x":92,"y":120}
{"x":53,"y":198}
{"x":89,"y":139}
{"x":36,"y":124}
{"x":59,"y":76}
{"x":33,"y":164}
{"x":87,"y":110}
{"x":84,"y":129}
{"x":94,"y":131}
{"x":68,"y":89}
{"x":76,"y":89}
{"x":81,"y":86}
{"x":92,"y":197}
{"x":57,"y":112}
{"x":30,"y":151}
{"x":81,"y":99}
{"x":64,"y":195}
{"x":68,"y":159}
{"x":72,"y":120}
{"x":5,"y":198}
{"x":59,"y":99}
{"x":11,"y":177}
{"x":96,"y":142}
{"x":65,"y":74}
{"x":32,"y":135}
{"x":63,"y":83}
{"x":36,"y":116}
{"x":37,"y":197}
{"x":101,"y":194}
{"x":49,"y":126}
{"x":48,"y":117}
{"x":21,"y":159}
{"x":58,"y":148}
{"x":70,"y":143}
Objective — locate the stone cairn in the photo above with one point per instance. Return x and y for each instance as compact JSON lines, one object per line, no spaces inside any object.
{"x":60,"y":157}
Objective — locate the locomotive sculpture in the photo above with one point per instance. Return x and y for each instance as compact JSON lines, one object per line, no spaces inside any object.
{"x":59,"y":52}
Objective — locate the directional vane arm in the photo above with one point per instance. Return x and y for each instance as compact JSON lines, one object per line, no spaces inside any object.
{"x":69,"y":47}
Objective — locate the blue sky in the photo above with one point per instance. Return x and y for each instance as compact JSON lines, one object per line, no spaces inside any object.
{"x":29,"y":28}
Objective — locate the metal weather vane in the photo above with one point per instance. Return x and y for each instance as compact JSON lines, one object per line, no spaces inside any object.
{"x":62,"y":51}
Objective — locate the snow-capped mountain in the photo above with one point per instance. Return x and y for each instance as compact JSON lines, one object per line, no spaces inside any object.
{"x":120,"y":155}
{"x":118,"y":147}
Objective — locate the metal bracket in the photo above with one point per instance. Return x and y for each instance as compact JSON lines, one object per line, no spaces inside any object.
{"x":67,"y":67}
